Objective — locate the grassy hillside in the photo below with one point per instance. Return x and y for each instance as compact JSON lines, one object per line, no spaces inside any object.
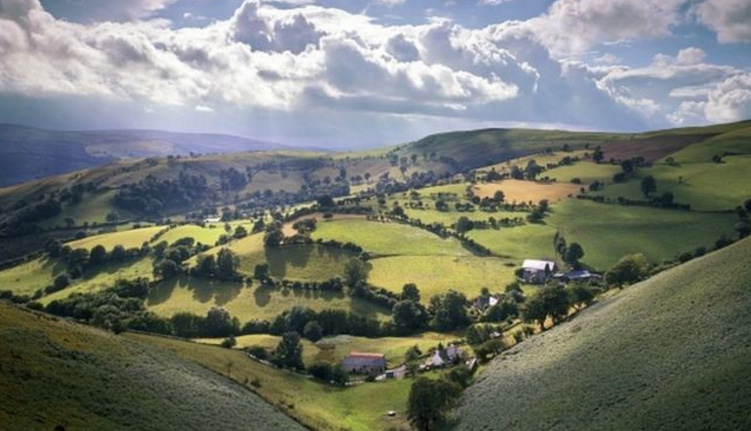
{"x":61,"y":375}
{"x":27,"y":153}
{"x":362,"y":407}
{"x":668,"y":353}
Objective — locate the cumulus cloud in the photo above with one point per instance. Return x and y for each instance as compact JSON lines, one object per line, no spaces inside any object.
{"x":295,"y":60}
{"x":730,"y":100}
{"x":574,"y":26}
{"x":730,"y":19}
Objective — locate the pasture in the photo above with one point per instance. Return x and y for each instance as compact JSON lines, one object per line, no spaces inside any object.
{"x":389,"y":239}
{"x":197,"y":296}
{"x":128,"y":238}
{"x":527,"y":191}
{"x":587,"y":172}
{"x":608,"y":232}
{"x":435,"y":275}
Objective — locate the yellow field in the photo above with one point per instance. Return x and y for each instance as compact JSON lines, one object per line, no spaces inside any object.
{"x":526,"y":191}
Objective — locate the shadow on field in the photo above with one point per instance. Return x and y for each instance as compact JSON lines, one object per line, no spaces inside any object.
{"x":163,"y":291}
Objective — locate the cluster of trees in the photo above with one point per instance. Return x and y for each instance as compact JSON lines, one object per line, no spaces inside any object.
{"x":79,"y":260}
{"x":539,"y":212}
{"x":430,"y":400}
{"x":315,"y":325}
{"x":570,"y":253}
{"x":553,"y":302}
{"x":222,"y":267}
{"x":231,"y":179}
{"x":23,"y":220}
{"x":152,"y":196}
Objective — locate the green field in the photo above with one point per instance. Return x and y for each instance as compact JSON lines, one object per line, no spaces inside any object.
{"x":359,"y":408}
{"x":61,"y":375}
{"x":587,"y":172}
{"x":93,"y":210}
{"x":530,"y":241}
{"x":736,"y":139}
{"x":197,"y":295}
{"x":388,"y":239}
{"x":705,"y":186}
{"x":435,"y":275}
{"x":128,"y":238}
{"x":669,"y":353}
{"x":204,"y":235}
{"x":26,"y":278}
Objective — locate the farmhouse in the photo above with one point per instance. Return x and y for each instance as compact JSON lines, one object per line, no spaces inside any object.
{"x":484,"y":302}
{"x":537,"y":271}
{"x":444,"y":357}
{"x":364,"y":363}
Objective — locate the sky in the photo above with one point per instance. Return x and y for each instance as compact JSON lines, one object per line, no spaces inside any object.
{"x":361,"y":73}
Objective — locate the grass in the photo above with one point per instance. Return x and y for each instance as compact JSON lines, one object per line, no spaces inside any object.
{"x":735,"y":139}
{"x":197,"y":295}
{"x":608,"y":232}
{"x":334,"y":349}
{"x":587,"y":172}
{"x":527,"y":191}
{"x":518,"y":243}
{"x":668,"y":353}
{"x":359,"y":408}
{"x":58,"y":373}
{"x":435,"y":275}
{"x":128,"y":239}
{"x":26,"y":278}
{"x":705,"y":186}
{"x":205,"y":235}
{"x":388,"y":239}
{"x":92,"y":210}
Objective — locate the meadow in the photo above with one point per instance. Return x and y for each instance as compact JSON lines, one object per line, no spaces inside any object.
{"x":197,"y":295}
{"x":435,"y":275}
{"x":671,"y":352}
{"x":389,"y":239}
{"x":518,"y":191}
{"x":128,"y":239}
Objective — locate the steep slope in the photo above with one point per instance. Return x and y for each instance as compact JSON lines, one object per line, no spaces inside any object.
{"x":669,"y":353}
{"x":60,"y":375}
{"x":27,"y":153}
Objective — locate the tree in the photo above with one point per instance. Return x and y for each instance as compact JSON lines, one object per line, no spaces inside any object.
{"x":219,"y":323}
{"x":61,"y":282}
{"x":574,"y":252}
{"x":261,"y":272}
{"x":226,"y":263}
{"x":464,"y":225}
{"x":273,"y":238}
{"x":240,"y":232}
{"x":627,"y":166}
{"x":551,"y":301}
{"x":598,"y":155}
{"x":207,"y":266}
{"x":53,"y":247}
{"x":579,"y":295}
{"x":408,"y":316}
{"x":355,"y":273}
{"x":98,"y":255}
{"x":326,"y":202}
{"x":410,"y":292}
{"x":321,"y":371}
{"x":648,"y":185}
{"x":499,"y":196}
{"x":288,"y":354}
{"x":630,"y":269}
{"x":167,"y":268}
{"x":112,"y":217}
{"x":429,"y":402}
{"x":449,"y":311}
{"x":313,"y":331}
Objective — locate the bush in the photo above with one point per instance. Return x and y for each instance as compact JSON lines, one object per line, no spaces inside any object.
{"x":258,"y":351}
{"x":229,"y":342}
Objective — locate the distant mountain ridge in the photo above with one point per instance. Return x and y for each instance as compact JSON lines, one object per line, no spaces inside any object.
{"x":28,"y":153}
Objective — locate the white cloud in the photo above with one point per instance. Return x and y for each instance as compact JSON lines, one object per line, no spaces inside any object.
{"x":730,"y":19}
{"x":574,"y":26}
{"x":202,"y":108}
{"x":730,"y":100}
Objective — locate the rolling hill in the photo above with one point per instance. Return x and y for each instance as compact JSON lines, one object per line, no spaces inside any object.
{"x":669,"y":353}
{"x":65,"y":376}
{"x":27,"y":153}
